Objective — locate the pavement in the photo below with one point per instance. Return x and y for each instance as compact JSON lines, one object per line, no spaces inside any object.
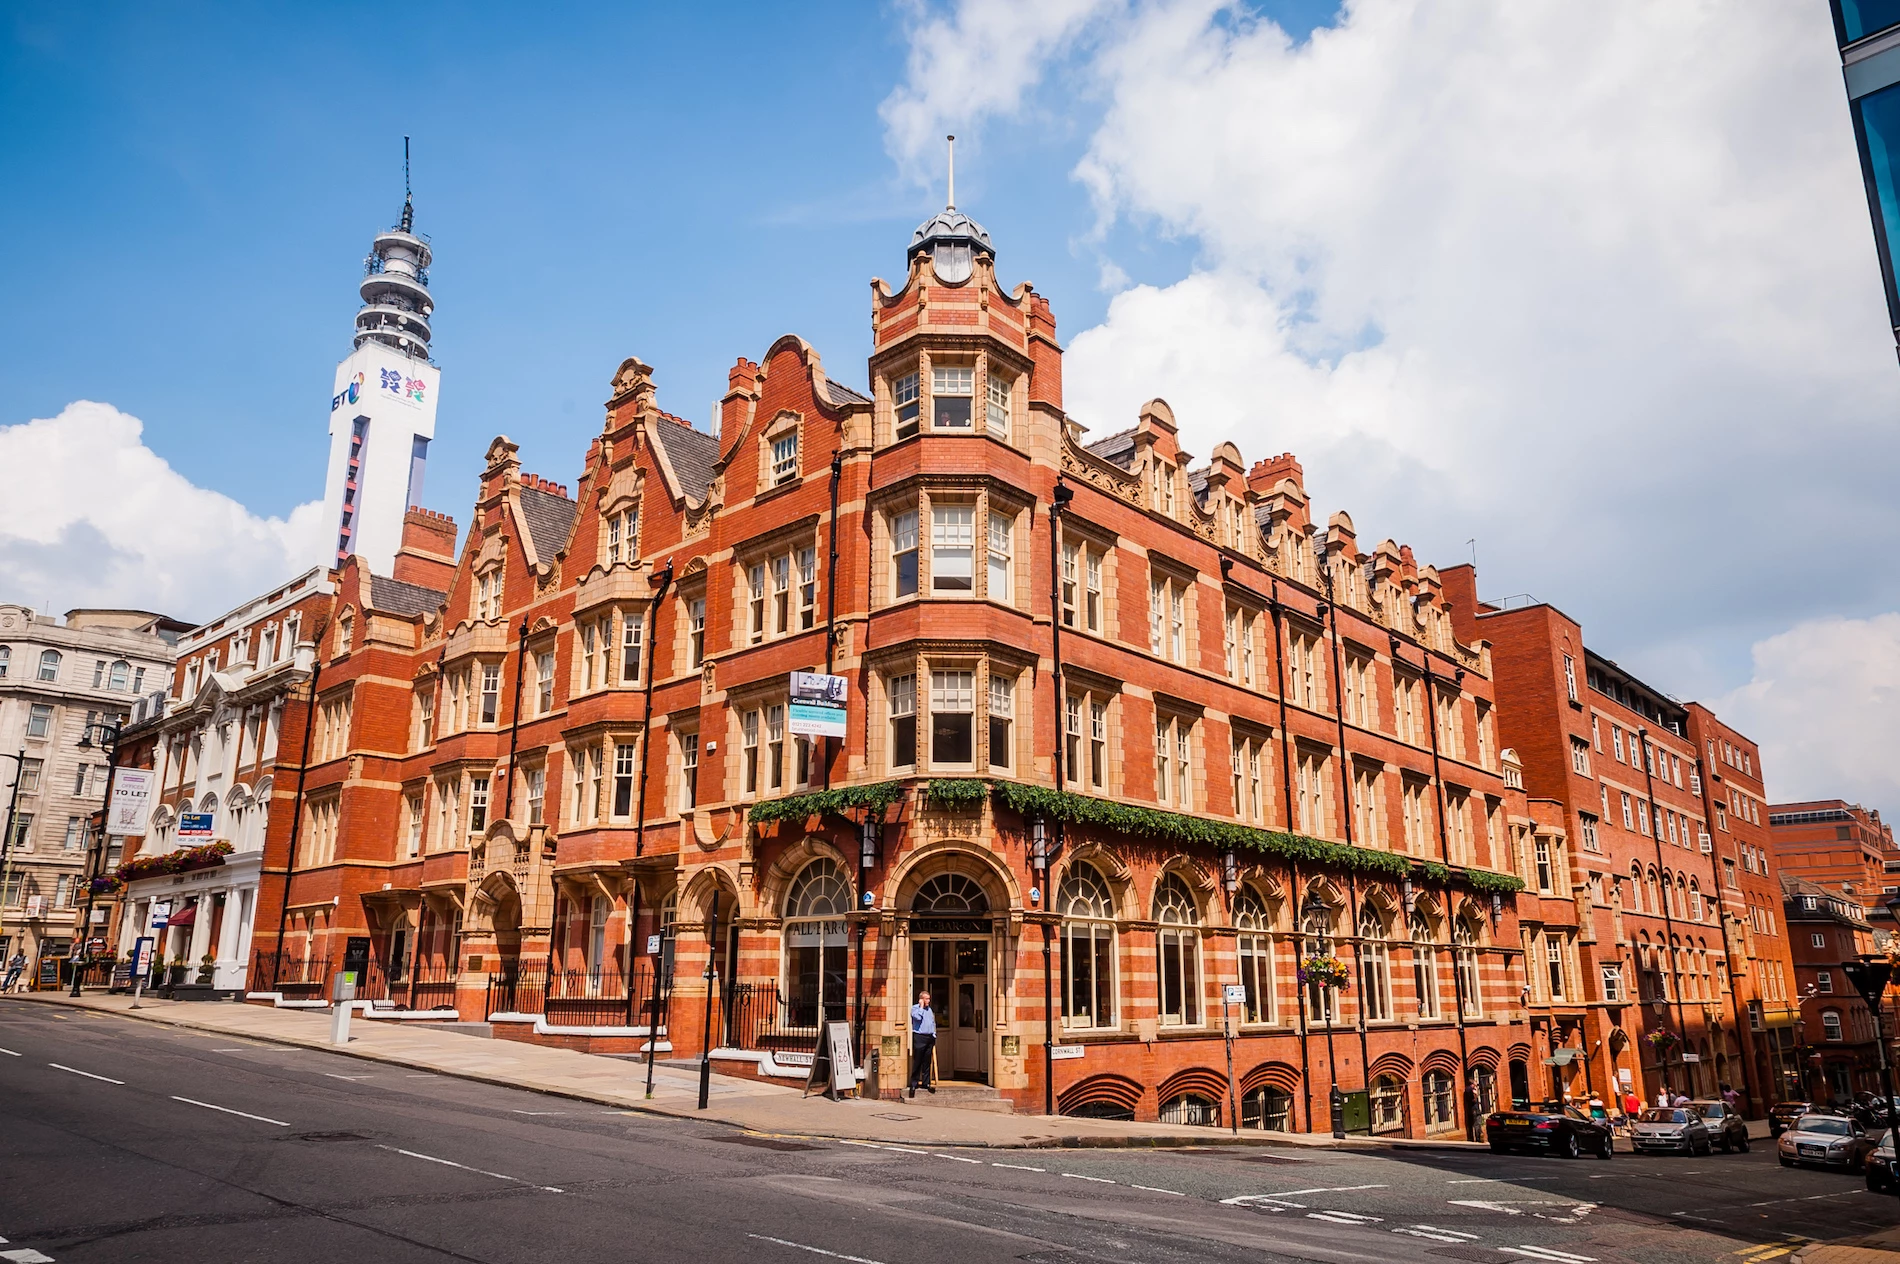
{"x":139,"y":1141}
{"x":755,"y":1105}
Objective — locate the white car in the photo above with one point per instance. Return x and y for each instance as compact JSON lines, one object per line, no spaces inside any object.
{"x":1826,"y":1141}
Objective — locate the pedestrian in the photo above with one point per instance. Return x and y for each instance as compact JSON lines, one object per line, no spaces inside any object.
{"x":1680,"y":1099}
{"x":923,"y":1042}
{"x":1632,"y":1104}
{"x":1730,"y":1098}
{"x":15,"y":967}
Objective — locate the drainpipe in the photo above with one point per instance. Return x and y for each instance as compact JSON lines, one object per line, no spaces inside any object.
{"x":831,"y":617}
{"x":1286,"y":793}
{"x":1060,"y":501}
{"x":1675,"y":965}
{"x":655,"y":1009}
{"x":296,"y":806}
{"x":1744,"y":1036}
{"x":1444,"y":851}
{"x":514,"y":721}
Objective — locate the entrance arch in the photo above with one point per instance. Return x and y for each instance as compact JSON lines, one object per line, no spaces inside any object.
{"x":953,"y":899}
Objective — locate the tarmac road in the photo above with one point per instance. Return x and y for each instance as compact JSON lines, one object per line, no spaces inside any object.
{"x":124,"y":1141}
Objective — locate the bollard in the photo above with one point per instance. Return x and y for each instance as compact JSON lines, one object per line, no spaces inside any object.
{"x":342,"y":992}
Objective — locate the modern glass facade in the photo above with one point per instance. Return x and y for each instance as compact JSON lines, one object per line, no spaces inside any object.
{"x":1868,"y":33}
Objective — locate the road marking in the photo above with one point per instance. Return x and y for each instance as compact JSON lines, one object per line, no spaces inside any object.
{"x":239,"y":1049}
{"x":538,"y":1112}
{"x":956,"y":1158}
{"x":1544,"y":1253}
{"x":1500,"y":1180}
{"x":1243,"y":1200}
{"x":192,"y":1101}
{"x":1020,"y":1167}
{"x":60,"y":1066}
{"x":26,"y":1256}
{"x":1436,"y":1234}
{"x":500,"y":1176}
{"x":1343,"y":1217}
{"x":10,"y":1054}
{"x":1099,"y":1180}
{"x":333,"y":1075}
{"x":872,"y":1145}
{"x":815,"y":1250}
{"x":431,"y":1075}
{"x":1153,"y":1190}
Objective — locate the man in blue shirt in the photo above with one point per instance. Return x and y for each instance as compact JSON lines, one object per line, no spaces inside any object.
{"x":923,"y":1041}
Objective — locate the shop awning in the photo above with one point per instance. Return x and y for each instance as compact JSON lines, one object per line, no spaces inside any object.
{"x":183,"y":917}
{"x":1560,"y":1057}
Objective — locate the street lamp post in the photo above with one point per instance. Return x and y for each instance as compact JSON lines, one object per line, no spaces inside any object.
{"x":109,"y":731}
{"x":1323,"y":993}
{"x":1870,"y":976}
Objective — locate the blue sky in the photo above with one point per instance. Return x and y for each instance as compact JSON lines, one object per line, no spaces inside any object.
{"x":1511,"y":272}
{"x":196,"y":185}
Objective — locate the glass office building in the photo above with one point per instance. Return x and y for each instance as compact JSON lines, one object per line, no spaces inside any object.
{"x":1868,"y":32}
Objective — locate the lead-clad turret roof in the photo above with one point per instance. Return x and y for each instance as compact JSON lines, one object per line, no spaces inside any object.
{"x":950,"y":224}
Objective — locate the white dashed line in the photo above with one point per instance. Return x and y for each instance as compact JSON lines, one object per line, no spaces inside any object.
{"x":240,"y":1049}
{"x":815,"y":1250}
{"x":60,"y":1066}
{"x":27,"y":1256}
{"x":1154,"y":1190}
{"x":1343,"y":1217}
{"x":500,"y":1176}
{"x":9,"y":1053}
{"x":872,"y":1145}
{"x":1099,"y":1180}
{"x":1243,"y":1200}
{"x":956,"y":1158}
{"x":1020,"y":1167}
{"x":1436,"y":1234}
{"x":352,"y":1078}
{"x":1542,"y":1253}
{"x":192,"y":1101}
{"x":537,"y":1112}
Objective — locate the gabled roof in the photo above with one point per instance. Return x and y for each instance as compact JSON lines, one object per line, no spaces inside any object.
{"x":550,"y":517}
{"x":842,"y":395}
{"x":692,"y":454}
{"x":1116,"y":449}
{"x":398,"y":597}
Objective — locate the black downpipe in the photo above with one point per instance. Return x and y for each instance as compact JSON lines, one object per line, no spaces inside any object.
{"x":1330,"y":622}
{"x":1286,"y":793}
{"x":1057,"y":504}
{"x":656,"y":1008}
{"x":514,"y":721}
{"x":1743,"y":1039}
{"x":296,"y":807}
{"x":1669,"y":927}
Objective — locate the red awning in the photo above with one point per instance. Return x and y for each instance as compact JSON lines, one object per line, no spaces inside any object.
{"x":183,"y":917}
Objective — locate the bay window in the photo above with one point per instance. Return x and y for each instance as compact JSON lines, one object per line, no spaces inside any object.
{"x":904,"y":403}
{"x":904,"y":554}
{"x":901,"y":695}
{"x":952,"y":548}
{"x":997,"y":415}
{"x":951,"y":388}
{"x":1002,"y":713}
{"x":1002,"y":532}
{"x":952,"y":718}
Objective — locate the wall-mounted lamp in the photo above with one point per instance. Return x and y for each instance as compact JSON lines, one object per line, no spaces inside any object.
{"x":867,"y":843}
{"x":1409,"y":892}
{"x":1497,"y":908}
{"x":1230,"y":873}
{"x":1038,"y":845}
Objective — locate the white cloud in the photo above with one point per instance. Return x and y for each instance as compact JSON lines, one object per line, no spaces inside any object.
{"x":1593,"y":284}
{"x":93,"y":517}
{"x":1825,"y":705}
{"x":979,"y":61}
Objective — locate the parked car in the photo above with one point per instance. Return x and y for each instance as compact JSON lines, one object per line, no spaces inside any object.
{"x":1665,"y":1129}
{"x":1727,"y":1129}
{"x":1782,"y":1115}
{"x":1880,"y":1166}
{"x":1555,"y":1127}
{"x":1826,"y":1141}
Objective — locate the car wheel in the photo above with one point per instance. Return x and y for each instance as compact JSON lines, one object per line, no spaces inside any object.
{"x":1743,"y":1144}
{"x":1498,"y":1149}
{"x":1785,"y":1160}
{"x":1570,"y":1148}
{"x":1857,"y":1165}
{"x":1609,"y":1148}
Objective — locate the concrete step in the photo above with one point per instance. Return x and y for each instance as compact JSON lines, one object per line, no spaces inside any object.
{"x":963,"y":1096}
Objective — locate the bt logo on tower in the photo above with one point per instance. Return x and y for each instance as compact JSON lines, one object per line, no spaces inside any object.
{"x":350,"y":394}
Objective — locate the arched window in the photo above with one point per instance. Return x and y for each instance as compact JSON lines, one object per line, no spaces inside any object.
{"x":1088,"y":948}
{"x":1316,"y":926}
{"x":599,"y":908}
{"x":1830,"y":1024}
{"x":1424,"y":965}
{"x":1636,"y":888}
{"x":121,"y":676}
{"x":1388,"y":1103}
{"x":669,"y":921}
{"x":1375,"y":967}
{"x":209,"y":807}
{"x":1695,"y":901}
{"x":1465,"y":950}
{"x":49,"y":664}
{"x":1441,"y":1105}
{"x":1655,"y":899}
{"x":1255,"y":947}
{"x":1179,"y":942}
{"x":1191,"y":1108}
{"x":815,"y":943}
{"x":1484,"y":1090}
{"x":1268,"y":1108}
{"x":947,"y":895}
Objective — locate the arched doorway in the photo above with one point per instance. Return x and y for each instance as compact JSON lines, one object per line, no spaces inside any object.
{"x":506,"y":919}
{"x":1520,"y":1083}
{"x":950,"y":959}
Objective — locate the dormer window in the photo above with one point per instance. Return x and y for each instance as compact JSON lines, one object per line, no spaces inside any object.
{"x":622,"y":531}
{"x":904,"y":399}
{"x":785,"y":458}
{"x":951,"y":389}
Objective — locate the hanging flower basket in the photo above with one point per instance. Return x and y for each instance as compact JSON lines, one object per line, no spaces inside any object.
{"x":1662,"y":1041}
{"x":106,"y":884}
{"x":1326,"y":972}
{"x":184,"y":860}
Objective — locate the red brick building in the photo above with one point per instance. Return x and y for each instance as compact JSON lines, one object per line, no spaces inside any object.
{"x":1677,"y":965}
{"x":1120,"y":731}
{"x":1833,"y":843}
{"x":1839,"y":1054}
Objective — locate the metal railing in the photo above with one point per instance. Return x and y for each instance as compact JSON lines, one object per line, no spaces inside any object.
{"x":575,"y":998}
{"x":291,"y":973}
{"x":758,"y":1019}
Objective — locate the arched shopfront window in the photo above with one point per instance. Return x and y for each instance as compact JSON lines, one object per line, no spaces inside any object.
{"x":1088,"y":948}
{"x":946,"y":895}
{"x":1465,"y":948}
{"x":1267,"y":1108}
{"x":1316,"y":927}
{"x":1424,"y":965}
{"x":1441,"y":1106}
{"x":1178,"y":941}
{"x":1255,"y":948}
{"x":1388,"y":1103}
{"x":815,"y":948}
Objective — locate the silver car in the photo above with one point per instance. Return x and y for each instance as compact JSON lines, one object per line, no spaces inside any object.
{"x":1826,"y":1141}
{"x":1671,"y":1128}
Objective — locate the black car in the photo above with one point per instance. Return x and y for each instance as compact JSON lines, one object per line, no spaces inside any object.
{"x":1783,"y":1114}
{"x":1880,"y":1166}
{"x":1727,"y":1129}
{"x":1556,"y":1127}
